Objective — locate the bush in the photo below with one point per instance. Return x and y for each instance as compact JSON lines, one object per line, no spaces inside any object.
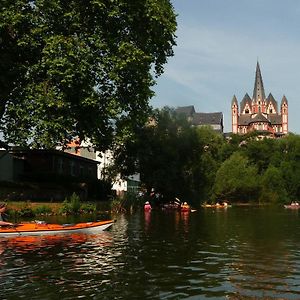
{"x":88,"y":208}
{"x":43,"y":210}
{"x":128,"y":202}
{"x":26,"y":211}
{"x":71,"y":205}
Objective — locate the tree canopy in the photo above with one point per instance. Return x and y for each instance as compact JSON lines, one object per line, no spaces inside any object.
{"x":236,"y":179}
{"x":173,"y":157}
{"x":198,"y":164}
{"x":80,"y":68}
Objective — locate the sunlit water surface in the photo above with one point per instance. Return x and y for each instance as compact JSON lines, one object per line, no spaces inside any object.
{"x":237,"y":253}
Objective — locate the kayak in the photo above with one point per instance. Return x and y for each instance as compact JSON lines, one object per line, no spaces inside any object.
{"x":292,"y":206}
{"x":42,"y":228}
{"x":215,"y":206}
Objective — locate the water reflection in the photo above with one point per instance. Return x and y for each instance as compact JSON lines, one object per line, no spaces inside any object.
{"x":209,"y":254}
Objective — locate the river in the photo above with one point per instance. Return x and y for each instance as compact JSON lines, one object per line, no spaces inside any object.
{"x":233,"y":253}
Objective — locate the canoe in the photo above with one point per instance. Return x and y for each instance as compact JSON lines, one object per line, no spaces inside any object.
{"x":215,"y":206}
{"x":42,"y":228}
{"x":185,"y":208}
{"x":292,"y":206}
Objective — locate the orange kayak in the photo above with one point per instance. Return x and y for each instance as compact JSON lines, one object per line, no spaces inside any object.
{"x":41,"y":228}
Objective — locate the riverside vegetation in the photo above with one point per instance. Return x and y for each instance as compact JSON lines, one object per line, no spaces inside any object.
{"x":69,"y":206}
{"x":199,"y":164}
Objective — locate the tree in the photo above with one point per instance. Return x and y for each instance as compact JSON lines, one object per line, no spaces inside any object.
{"x":167,"y":154}
{"x":261,"y":152}
{"x":80,"y":68}
{"x":273,"y":189}
{"x":289,"y":164}
{"x":210,"y":160}
{"x":237,"y":179}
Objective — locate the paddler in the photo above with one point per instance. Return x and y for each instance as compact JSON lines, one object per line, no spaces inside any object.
{"x":3,"y":221}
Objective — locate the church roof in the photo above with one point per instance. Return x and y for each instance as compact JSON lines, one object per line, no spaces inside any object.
{"x":271,"y":99}
{"x":258,"y":91}
{"x":234,"y":100}
{"x":275,"y":119}
{"x":245,"y":100}
{"x":188,"y":111}
{"x":244,"y":119}
{"x":283,"y":100}
{"x":259,"y":118}
{"x":207,"y":118}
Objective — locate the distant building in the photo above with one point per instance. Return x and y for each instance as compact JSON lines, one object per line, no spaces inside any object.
{"x":214,"y":120}
{"x":259,"y":113}
{"x":105,"y":160}
{"x":38,"y":174}
{"x":38,"y":163}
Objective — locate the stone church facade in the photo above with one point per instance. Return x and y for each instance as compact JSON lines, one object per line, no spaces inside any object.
{"x":259,"y":113}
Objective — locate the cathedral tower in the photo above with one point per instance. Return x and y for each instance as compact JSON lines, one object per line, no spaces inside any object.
{"x":234,"y":114}
{"x":259,"y":113}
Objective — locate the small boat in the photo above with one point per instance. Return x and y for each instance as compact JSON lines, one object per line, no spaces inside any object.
{"x":185,"y":207}
{"x":293,"y":205}
{"x":147,"y":206}
{"x":217,"y":205}
{"x":43,"y":228}
{"x":171,"y":206}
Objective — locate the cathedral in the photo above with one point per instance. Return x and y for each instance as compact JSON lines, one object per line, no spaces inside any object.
{"x":259,"y":113}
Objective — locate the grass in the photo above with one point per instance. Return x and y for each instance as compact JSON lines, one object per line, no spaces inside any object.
{"x":31,"y":209}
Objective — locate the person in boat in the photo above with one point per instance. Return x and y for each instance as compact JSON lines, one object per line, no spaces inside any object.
{"x":185,"y":207}
{"x":3,"y":218}
{"x":147,"y":206}
{"x":177,"y":202}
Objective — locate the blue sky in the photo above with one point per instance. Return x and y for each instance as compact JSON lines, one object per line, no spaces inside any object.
{"x":218,"y":44}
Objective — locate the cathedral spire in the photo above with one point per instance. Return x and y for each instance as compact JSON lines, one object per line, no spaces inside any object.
{"x":258,"y":92}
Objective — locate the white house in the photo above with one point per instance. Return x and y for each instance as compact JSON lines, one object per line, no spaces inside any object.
{"x":105,"y":159}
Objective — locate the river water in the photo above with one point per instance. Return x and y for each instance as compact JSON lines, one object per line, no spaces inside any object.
{"x":237,"y":253}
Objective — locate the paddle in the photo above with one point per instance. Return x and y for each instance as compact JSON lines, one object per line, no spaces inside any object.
{"x":9,"y":225}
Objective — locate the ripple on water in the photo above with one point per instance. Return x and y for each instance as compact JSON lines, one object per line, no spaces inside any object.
{"x":170,"y":258}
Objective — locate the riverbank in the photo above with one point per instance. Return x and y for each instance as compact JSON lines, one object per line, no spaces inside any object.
{"x":70,"y":206}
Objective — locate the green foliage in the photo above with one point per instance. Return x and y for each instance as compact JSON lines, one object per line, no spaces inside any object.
{"x":173,"y":157}
{"x":210,"y":161}
{"x":71,"y":205}
{"x":128,"y":202}
{"x":179,"y":160}
{"x":26,"y":211}
{"x":80,"y":68}
{"x":88,"y":208}
{"x":43,"y":210}
{"x":116,"y":205}
{"x":273,"y":188}
{"x":237,"y":179}
{"x":258,"y":152}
